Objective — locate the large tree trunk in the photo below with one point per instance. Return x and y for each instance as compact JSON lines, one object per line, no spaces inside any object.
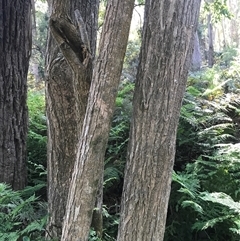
{"x":88,"y":168}
{"x":69,"y":73}
{"x":15,"y":49}
{"x":162,"y":73}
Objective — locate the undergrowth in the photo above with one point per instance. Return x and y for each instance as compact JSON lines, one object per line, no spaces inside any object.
{"x":22,"y":215}
{"x":204,"y":202}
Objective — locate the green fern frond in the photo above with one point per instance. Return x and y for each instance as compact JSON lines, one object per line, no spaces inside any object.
{"x":222,"y":199}
{"x":195,"y":206}
{"x":189,"y":185}
{"x":210,"y":223}
{"x":20,"y":215}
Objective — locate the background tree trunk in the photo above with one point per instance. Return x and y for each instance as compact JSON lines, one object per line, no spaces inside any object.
{"x":162,"y":73}
{"x":88,"y":169}
{"x":196,"y":57}
{"x":15,"y":48}
{"x":66,"y":95}
{"x":210,"y":43}
{"x":34,"y":65}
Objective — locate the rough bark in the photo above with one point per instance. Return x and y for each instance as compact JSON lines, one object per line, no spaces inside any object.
{"x":97,"y":217}
{"x":162,"y":73}
{"x":15,"y":48}
{"x":88,"y":168}
{"x":69,"y":73}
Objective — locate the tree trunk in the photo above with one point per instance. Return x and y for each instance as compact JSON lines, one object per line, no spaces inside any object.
{"x":69,"y":73}
{"x":15,"y":48}
{"x":224,"y":41}
{"x":196,"y":57}
{"x":210,"y":43}
{"x":34,"y":64}
{"x":97,"y":217}
{"x":34,"y":24}
{"x":165,"y":58}
{"x":88,"y":168}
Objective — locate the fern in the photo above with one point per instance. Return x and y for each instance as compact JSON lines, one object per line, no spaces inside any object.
{"x":207,"y":190}
{"x":205,"y":193}
{"x":21,"y":216}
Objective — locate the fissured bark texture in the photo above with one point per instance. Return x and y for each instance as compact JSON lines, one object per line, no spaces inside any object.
{"x":15,"y":49}
{"x":67,"y":88}
{"x":165,"y":57}
{"x":88,"y":169}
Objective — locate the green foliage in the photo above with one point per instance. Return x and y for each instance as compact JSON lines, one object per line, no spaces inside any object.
{"x":115,"y":154}
{"x":227,"y":56}
{"x":40,"y":37}
{"x":110,"y":226}
{"x":118,"y":137}
{"x":37,"y":138}
{"x":141,"y":2}
{"x":131,"y":57}
{"x":111,"y":221}
{"x":198,"y":210}
{"x":220,"y":172}
{"x":204,"y":202}
{"x":101,"y":13}
{"x":115,"y":160}
{"x":218,"y":8}
{"x":232,"y":74}
{"x":200,"y":214}
{"x":93,"y":236}
{"x":205,"y":190}
{"x":22,"y":215}
{"x":209,"y":116}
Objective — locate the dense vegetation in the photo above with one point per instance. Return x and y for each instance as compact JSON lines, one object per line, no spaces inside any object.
{"x":204,"y":203}
{"x":205,"y":197}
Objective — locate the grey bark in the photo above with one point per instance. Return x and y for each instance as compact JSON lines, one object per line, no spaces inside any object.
{"x":88,"y":168}
{"x":196,"y":57}
{"x":15,"y":49}
{"x":165,"y":58}
{"x":69,"y":73}
{"x":210,"y":43}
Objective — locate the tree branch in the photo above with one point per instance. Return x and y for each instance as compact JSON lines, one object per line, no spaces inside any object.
{"x":84,"y":35}
{"x":82,"y":29}
{"x":70,"y":41}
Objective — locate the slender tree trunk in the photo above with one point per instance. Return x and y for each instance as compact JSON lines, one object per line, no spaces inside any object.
{"x":15,"y":48}
{"x":165,"y":58}
{"x":88,"y":168}
{"x":34,"y":24}
{"x":34,"y":64}
{"x":224,"y":42}
{"x":196,"y":57}
{"x":210,"y":43}
{"x":69,"y":73}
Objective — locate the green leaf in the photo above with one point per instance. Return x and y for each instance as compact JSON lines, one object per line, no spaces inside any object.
{"x":25,"y":238}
